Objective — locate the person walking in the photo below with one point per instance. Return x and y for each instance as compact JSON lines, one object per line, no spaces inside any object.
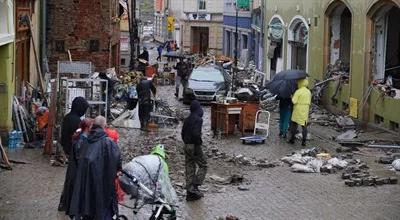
{"x":159,"y":50}
{"x":69,"y":125}
{"x":79,"y":138}
{"x":194,"y":156}
{"x":181,"y":75}
{"x":285,"y":112}
{"x":94,"y":196}
{"x":301,"y":107}
{"x":144,"y":90}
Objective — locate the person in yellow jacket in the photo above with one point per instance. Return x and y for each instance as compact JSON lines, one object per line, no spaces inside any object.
{"x":301,"y":107}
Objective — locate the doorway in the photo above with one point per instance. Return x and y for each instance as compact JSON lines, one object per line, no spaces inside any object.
{"x":200,"y":38}
{"x":386,"y":45}
{"x":298,"y":45}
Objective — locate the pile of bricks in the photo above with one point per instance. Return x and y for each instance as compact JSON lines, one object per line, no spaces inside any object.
{"x":357,"y":174}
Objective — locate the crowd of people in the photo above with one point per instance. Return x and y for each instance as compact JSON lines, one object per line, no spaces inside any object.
{"x":94,"y":159}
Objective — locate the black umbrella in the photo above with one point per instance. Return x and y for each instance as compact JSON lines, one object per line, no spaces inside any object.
{"x":284,"y":84}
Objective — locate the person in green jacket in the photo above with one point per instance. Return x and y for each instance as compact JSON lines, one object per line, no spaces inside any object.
{"x":301,"y":108}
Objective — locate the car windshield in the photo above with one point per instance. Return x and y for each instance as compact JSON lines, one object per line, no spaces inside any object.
{"x":207,"y":75}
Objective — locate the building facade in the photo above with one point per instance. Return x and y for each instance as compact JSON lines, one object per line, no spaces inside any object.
{"x":160,"y":20}
{"x":361,"y":34}
{"x":202,"y":26}
{"x":244,"y":31}
{"x":7,"y":77}
{"x":88,"y":29}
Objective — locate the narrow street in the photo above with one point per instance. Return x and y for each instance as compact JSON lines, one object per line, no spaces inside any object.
{"x":31,"y":191}
{"x":331,"y":67}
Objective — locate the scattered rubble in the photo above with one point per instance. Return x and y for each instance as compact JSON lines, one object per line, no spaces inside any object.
{"x":348,"y":135}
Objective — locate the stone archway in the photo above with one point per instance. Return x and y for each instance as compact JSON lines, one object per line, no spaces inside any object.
{"x":276,"y":33}
{"x":298,"y":47}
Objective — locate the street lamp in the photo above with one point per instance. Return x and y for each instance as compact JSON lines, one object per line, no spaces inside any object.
{"x":236,"y":47}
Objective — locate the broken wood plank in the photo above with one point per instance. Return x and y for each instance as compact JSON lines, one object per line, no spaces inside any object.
{"x":4,"y":156}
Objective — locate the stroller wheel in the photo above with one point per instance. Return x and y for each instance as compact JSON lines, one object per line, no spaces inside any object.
{"x":122,"y":217}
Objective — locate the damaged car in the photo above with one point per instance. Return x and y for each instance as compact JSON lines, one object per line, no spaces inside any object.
{"x":206,"y":83}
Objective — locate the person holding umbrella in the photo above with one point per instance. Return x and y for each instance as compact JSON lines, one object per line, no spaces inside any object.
{"x":284,"y":85}
{"x":301,"y":108}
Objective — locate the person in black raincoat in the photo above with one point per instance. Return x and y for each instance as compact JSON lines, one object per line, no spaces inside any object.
{"x":144,"y":90}
{"x":144,"y":55}
{"x":70,"y":124}
{"x":79,"y":138}
{"x":94,"y":195}
{"x":194,"y":156}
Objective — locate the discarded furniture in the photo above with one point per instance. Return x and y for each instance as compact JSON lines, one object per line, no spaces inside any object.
{"x":248,"y":116}
{"x":225,"y":116}
{"x":261,"y":123}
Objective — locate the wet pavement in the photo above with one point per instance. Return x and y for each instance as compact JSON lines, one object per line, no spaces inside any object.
{"x":32,"y":191}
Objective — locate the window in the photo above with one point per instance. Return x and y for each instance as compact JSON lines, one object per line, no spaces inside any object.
{"x":94,"y":45}
{"x":60,"y":45}
{"x":6,"y":22}
{"x":123,"y":61}
{"x":202,"y":4}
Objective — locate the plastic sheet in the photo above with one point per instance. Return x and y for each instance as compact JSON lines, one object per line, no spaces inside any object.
{"x":149,"y":170}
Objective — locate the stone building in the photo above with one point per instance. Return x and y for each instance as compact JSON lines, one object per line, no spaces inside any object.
{"x":360,"y":34}
{"x":88,"y":29}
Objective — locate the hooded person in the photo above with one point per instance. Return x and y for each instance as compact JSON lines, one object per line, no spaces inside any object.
{"x":69,"y":125}
{"x":94,"y":195}
{"x":194,"y":156}
{"x":301,"y":107}
{"x":71,"y":122}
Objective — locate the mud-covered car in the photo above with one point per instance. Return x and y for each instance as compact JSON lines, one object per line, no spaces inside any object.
{"x":205,"y":83}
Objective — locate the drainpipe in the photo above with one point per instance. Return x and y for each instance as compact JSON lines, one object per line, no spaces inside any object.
{"x":43,"y":36}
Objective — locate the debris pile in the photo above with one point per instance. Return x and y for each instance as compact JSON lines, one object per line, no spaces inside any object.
{"x":311,"y":161}
{"x":357,"y":174}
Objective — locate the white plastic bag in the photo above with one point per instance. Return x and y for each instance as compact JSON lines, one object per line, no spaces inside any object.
{"x":396,"y":164}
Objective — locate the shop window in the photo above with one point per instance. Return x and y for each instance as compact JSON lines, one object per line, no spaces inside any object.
{"x":340,"y":36}
{"x":94,"y":45}
{"x":387,"y":45}
{"x":202,"y":4}
{"x":298,"y":41}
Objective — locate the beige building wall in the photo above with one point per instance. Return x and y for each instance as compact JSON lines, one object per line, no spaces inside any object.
{"x":215,"y":9}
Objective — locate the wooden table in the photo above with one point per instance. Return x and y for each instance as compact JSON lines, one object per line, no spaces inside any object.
{"x":225,"y":116}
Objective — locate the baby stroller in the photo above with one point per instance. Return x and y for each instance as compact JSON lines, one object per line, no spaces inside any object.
{"x":145,"y":179}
